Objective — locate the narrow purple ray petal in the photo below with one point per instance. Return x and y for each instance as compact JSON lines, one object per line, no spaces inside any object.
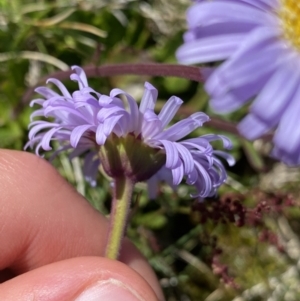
{"x":100,"y":136}
{"x":163,"y":175}
{"x":152,"y":187}
{"x":149,"y":98}
{"x":36,"y":113}
{"x":110,"y":123}
{"x":48,"y":137}
{"x":151,"y":125}
{"x":178,"y":130}
{"x":217,"y":29}
{"x":52,"y":111}
{"x":287,"y":136}
{"x":61,"y":87}
{"x":230,"y":160}
{"x":169,"y":110}
{"x":198,"y":143}
{"x":213,"y":11}
{"x":91,"y":167}
{"x":79,"y":76}
{"x":82,"y":99}
{"x":256,"y":40}
{"x":46,"y":92}
{"x":38,"y":101}
{"x":77,"y":152}
{"x":77,"y":133}
{"x":235,"y":98}
{"x":183,"y":127}
{"x":213,"y":137}
{"x":133,"y":107}
{"x":172,"y":155}
{"x":192,"y":177}
{"x":210,"y":49}
{"x":177,"y":174}
{"x":274,"y":94}
{"x":105,"y":100}
{"x":186,"y":158}
{"x":109,"y":111}
{"x":203,"y":183}
{"x":38,"y":127}
{"x":252,"y":127}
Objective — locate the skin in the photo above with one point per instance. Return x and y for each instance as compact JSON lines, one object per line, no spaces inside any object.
{"x":53,"y":241}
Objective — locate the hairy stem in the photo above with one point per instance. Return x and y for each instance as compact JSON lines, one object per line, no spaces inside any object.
{"x":123,"y":188}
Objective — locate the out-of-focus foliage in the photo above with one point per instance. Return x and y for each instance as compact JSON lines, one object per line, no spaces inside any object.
{"x":199,"y":251}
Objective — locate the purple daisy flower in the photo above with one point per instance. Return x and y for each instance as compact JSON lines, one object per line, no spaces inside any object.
{"x":260,"y":43}
{"x":111,"y":128}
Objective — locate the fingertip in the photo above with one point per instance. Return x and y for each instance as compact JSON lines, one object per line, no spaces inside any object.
{"x":79,"y":279}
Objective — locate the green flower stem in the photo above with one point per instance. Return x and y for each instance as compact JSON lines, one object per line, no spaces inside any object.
{"x":123,"y":188}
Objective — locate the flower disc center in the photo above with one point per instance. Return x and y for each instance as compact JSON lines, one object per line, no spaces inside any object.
{"x":290,"y":18}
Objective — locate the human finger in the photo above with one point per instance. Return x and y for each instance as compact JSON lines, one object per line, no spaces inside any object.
{"x":79,"y":279}
{"x":44,"y":220}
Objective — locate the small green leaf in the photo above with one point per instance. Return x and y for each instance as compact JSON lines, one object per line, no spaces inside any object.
{"x":152,"y":220}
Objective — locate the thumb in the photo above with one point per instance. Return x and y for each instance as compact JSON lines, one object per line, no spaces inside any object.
{"x":79,"y":279}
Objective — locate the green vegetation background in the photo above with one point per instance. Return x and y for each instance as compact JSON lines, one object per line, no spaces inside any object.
{"x":40,"y":37}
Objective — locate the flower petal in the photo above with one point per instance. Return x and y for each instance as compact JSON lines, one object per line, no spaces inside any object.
{"x":60,"y":85}
{"x":186,"y":158}
{"x":151,"y":125}
{"x":77,"y":133}
{"x":169,"y":110}
{"x":215,"y":11}
{"x":177,"y":174}
{"x":80,"y":77}
{"x":149,"y":98}
{"x":209,"y":49}
{"x":172,"y":156}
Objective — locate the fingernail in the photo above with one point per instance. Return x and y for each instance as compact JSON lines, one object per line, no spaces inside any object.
{"x":109,"y":290}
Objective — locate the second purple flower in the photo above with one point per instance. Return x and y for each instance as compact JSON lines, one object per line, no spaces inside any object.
{"x":258,"y":40}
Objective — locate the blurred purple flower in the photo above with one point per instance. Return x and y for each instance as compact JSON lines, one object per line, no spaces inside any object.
{"x":84,"y":121}
{"x":260,"y":43}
